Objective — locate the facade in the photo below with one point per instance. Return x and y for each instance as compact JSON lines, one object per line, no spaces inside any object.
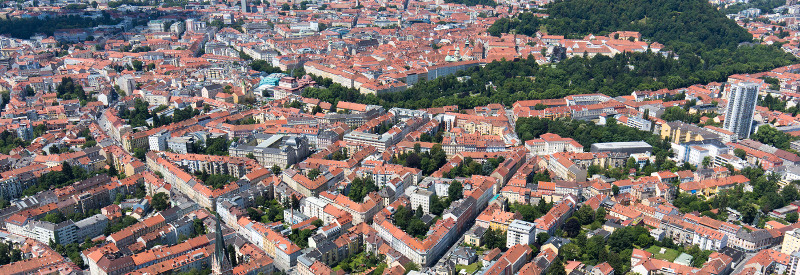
{"x":269,"y":150}
{"x":695,"y":151}
{"x":181,"y":145}
{"x":680,"y":132}
{"x":62,"y":233}
{"x":66,"y":232}
{"x":421,"y":197}
{"x":549,"y":143}
{"x":632,"y":147}
{"x":794,"y":263}
{"x":520,"y":232}
{"x":158,"y":141}
{"x":791,"y":242}
{"x":740,"y":109}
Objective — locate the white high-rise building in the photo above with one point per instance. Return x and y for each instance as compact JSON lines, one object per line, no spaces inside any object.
{"x":794,"y":263}
{"x":740,"y":109}
{"x":520,"y":232}
{"x":791,"y":242}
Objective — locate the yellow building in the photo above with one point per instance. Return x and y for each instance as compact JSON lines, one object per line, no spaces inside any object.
{"x":679,"y":132}
{"x":472,"y":239}
{"x":483,"y":128}
{"x":501,"y":219}
{"x":791,"y":242}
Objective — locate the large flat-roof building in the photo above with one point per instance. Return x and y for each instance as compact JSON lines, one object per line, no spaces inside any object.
{"x":628,"y":147}
{"x":269,"y":150}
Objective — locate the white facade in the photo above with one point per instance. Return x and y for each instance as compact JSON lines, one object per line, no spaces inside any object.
{"x":315,"y":207}
{"x":548,"y":144}
{"x":708,"y":240}
{"x":520,"y":232}
{"x":158,"y":141}
{"x":740,"y":109}
{"x":421,"y":197}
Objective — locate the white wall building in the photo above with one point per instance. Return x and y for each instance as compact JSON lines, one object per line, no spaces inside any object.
{"x":520,"y":232}
{"x":740,"y":109}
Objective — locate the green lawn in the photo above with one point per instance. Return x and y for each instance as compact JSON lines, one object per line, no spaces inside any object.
{"x":471,"y":269}
{"x":669,"y":254}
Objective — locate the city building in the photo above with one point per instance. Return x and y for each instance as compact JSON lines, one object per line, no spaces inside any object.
{"x":269,"y":150}
{"x":740,"y":109}
{"x":520,"y":232}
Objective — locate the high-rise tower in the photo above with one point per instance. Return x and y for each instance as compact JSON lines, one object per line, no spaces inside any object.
{"x":740,"y":109}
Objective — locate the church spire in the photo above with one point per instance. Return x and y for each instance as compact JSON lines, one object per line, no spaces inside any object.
{"x":219,"y":261}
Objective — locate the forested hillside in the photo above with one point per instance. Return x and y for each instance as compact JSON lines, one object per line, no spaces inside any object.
{"x":702,"y":46}
{"x":681,"y":24}
{"x":509,"y":81}
{"x":24,"y":28}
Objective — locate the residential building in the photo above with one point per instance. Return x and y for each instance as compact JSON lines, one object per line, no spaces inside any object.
{"x":549,"y":143}
{"x":520,"y":232}
{"x":740,"y":109}
{"x":269,"y":150}
{"x":791,"y":242}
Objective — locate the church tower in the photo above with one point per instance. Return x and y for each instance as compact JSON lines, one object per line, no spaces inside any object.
{"x":219,"y":261}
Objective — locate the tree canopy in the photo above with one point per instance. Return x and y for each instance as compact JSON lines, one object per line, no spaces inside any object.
{"x":685,"y":25}
{"x":509,"y":81}
{"x":24,"y":28}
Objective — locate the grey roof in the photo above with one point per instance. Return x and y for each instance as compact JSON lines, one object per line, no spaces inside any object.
{"x":464,"y":252}
{"x":478,"y":231}
{"x":557,"y":241}
{"x":621,"y":145}
{"x":712,"y":142}
{"x":755,"y":236}
{"x":97,"y":218}
{"x":457,"y":208}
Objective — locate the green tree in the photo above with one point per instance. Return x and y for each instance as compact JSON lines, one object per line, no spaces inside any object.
{"x":410,"y":266}
{"x":137,"y":65}
{"x":570,"y":251}
{"x":749,"y":213}
{"x":740,"y":153}
{"x":360,"y":188}
{"x":789,"y":193}
{"x":572,"y":227}
{"x":631,"y":163}
{"x":455,"y":191}
{"x":139,"y":153}
{"x":542,"y":237}
{"x":769,"y":135}
{"x":54,"y":217}
{"x":161,"y":201}
{"x":232,"y":255}
{"x":313,"y":174}
{"x":556,"y":268}
{"x":585,"y":214}
{"x":791,"y":217}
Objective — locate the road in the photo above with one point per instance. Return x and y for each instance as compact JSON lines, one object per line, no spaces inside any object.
{"x":741,"y":264}
{"x":455,"y":245}
{"x":509,"y":115}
